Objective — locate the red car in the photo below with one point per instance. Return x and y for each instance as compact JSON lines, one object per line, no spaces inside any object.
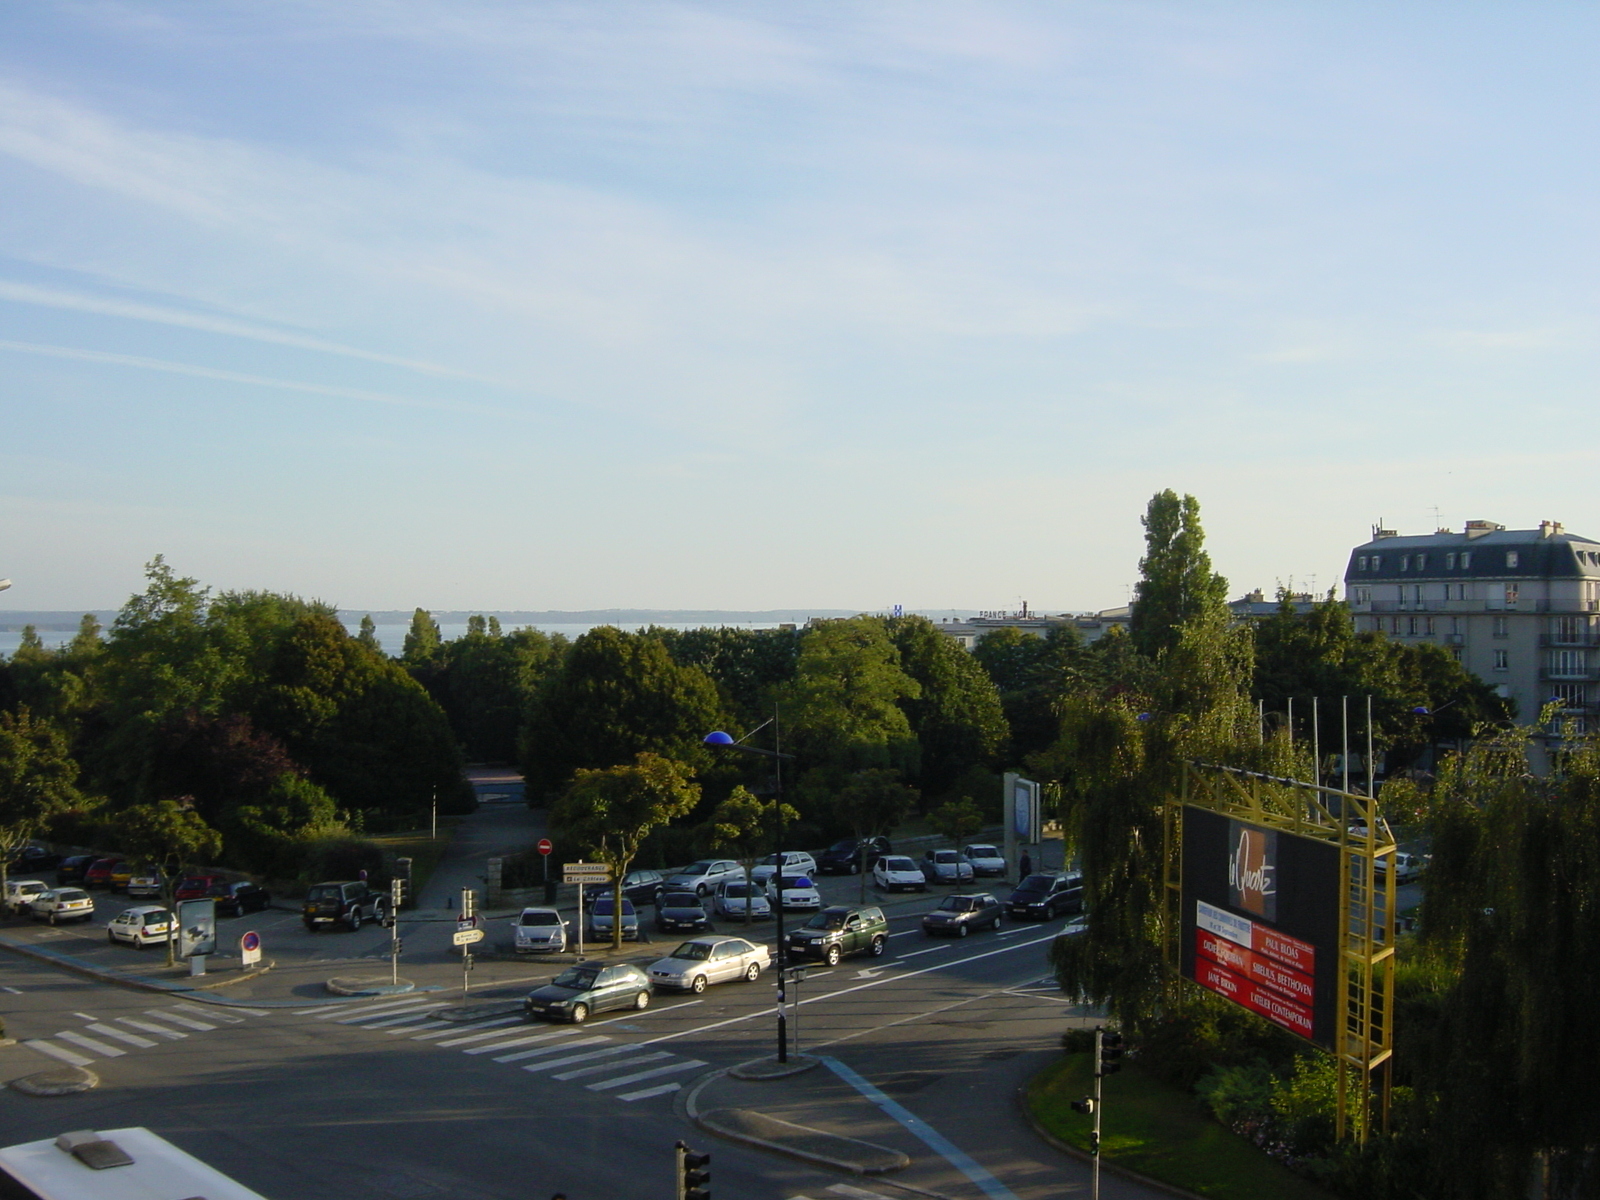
{"x":99,"y":873}
{"x":197,"y":887}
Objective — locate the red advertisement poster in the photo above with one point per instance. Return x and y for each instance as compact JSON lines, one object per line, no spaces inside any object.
{"x":1258,"y":968}
{"x":1276,"y":1008}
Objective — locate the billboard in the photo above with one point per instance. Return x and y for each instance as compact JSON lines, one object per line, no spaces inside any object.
{"x":1260,"y":920}
{"x":197,"y":928}
{"x":1023,"y":803}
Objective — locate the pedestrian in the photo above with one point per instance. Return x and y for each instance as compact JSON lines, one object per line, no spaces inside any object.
{"x":1025,"y":867}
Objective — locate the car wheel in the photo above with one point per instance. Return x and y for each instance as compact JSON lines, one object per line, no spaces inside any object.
{"x":310,"y":926}
{"x":698,"y":985}
{"x":834,"y":954}
{"x":52,"y":918}
{"x":355,"y":919}
{"x":995,"y":924}
{"x":642,"y":1001}
{"x":878,"y":947}
{"x":752,"y":972}
{"x":963,"y":929}
{"x":700,"y":890}
{"x":855,"y":868}
{"x":580,"y":1013}
{"x":111,"y":937}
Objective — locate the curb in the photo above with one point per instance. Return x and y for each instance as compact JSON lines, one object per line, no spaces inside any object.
{"x":1084,"y":1157}
{"x":367,"y":987}
{"x":67,"y":1081}
{"x":770,"y":1068}
{"x":68,"y":962}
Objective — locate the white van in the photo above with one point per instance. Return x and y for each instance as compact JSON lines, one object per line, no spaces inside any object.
{"x":118,"y":1164}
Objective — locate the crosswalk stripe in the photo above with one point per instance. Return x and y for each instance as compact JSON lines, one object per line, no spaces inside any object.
{"x":213,"y":1013}
{"x":661,"y":1089}
{"x":177,"y":1019}
{"x":855,"y":1193}
{"x":686,"y":1065}
{"x":133,"y":1039}
{"x":520,"y":1041}
{"x":369,"y":1010}
{"x":522,"y":1054}
{"x":577,"y":1058}
{"x":311,"y":1012}
{"x":439,"y":1033}
{"x":106,"y":1049}
{"x":385,"y":1015}
{"x":478,"y":1037}
{"x":66,"y":1056}
{"x":657,"y":1056}
{"x":419,"y":1017}
{"x":170,"y":1034}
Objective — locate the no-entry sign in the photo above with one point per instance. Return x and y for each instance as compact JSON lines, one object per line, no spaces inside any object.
{"x":544,"y":846}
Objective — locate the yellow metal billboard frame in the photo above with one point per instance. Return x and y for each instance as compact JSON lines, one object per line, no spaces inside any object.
{"x":1364,"y":1021}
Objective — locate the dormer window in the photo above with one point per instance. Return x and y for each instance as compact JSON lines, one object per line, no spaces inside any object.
{"x":1405,"y":562}
{"x":1377,"y":562}
{"x":1512,"y":558}
{"x":1466,"y":560}
{"x":1361,"y":563}
{"x":1422,"y":562}
{"x":1450,"y":561}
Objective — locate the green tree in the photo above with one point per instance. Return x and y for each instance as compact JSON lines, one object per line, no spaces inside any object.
{"x":170,"y":835}
{"x":956,"y":820}
{"x":368,"y":636}
{"x":38,"y":778}
{"x":488,"y":680}
{"x":1176,"y":582}
{"x":1032,"y":673}
{"x":608,"y":812}
{"x":844,"y":709}
{"x":872,"y":803}
{"x":957,"y":718}
{"x":748,"y":666}
{"x":423,"y":640}
{"x":746,"y":827}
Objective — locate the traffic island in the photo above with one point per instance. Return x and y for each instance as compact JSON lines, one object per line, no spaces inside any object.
{"x":63,"y":1081}
{"x":799,"y":1141}
{"x":771,"y":1068}
{"x":372,"y":985}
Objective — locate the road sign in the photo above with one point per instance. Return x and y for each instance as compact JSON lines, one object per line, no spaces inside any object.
{"x":250,"y":949}
{"x":465,"y":937}
{"x":545,"y":846}
{"x":468,"y":922}
{"x":587,"y":873}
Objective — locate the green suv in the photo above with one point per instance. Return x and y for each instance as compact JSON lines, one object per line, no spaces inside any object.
{"x":835,"y":932}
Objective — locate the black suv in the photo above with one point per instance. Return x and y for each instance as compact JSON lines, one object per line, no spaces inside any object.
{"x":1041,"y":897}
{"x":348,"y":902}
{"x":850,"y":856}
{"x":836,"y":932}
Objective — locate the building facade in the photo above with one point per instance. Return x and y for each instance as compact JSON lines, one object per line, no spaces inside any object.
{"x":1519,"y":608}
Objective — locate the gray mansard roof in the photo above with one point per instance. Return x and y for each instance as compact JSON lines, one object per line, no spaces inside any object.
{"x":1539,"y":555}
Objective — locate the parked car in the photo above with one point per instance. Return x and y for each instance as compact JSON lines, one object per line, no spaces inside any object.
{"x":601,"y":917}
{"x":795,"y":862}
{"x":799,"y":893}
{"x":196,"y":887}
{"x":539,"y":931}
{"x":851,"y":856}
{"x":1408,"y":867}
{"x":641,"y":886}
{"x":72,"y":868}
{"x":146,"y":881}
{"x":839,"y":931}
{"x":946,"y":866}
{"x":735,"y":895}
{"x":144,"y":925}
{"x":681,"y":911}
{"x":19,"y":892}
{"x":985,"y":859}
{"x":348,"y":902}
{"x":34,"y":857}
{"x":98,"y":874}
{"x":695,"y":965}
{"x":121,"y":873}
{"x":589,"y":988}
{"x":896,"y":873}
{"x":1040,"y":897}
{"x":702,"y":877}
{"x":960,"y":914}
{"x":62,"y":904}
{"x":236,"y":899}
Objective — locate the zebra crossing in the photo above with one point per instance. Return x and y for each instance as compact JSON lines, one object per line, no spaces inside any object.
{"x":574,"y":1054}
{"x":849,"y":1192}
{"x":114,"y":1038}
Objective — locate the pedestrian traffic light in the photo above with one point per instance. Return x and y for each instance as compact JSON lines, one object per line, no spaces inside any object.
{"x":1110,"y":1053}
{"x":694,"y":1174}
{"x":1084,"y":1106}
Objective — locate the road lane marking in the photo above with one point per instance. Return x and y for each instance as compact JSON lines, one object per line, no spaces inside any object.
{"x":370,"y":1010}
{"x":661,"y":1089}
{"x":522,"y":1054}
{"x":14,"y":991}
{"x":66,"y":1056}
{"x":585,"y":1057}
{"x":686,"y":1065}
{"x":439,"y":1033}
{"x":133,"y":1039}
{"x":613,"y":1065}
{"x":104,"y":1049}
{"x":171,"y":1034}
{"x":85,"y":1016}
{"x":380,"y":1016}
{"x":311,"y":1012}
{"x":177,"y":1019}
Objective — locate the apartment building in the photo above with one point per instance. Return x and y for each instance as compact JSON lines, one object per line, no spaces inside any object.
{"x":1519,"y":608}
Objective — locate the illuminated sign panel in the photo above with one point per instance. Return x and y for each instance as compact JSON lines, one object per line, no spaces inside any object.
{"x":1261,"y":920}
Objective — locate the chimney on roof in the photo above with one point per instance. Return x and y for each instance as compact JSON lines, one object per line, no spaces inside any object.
{"x":1378,"y":531}
{"x":1476,"y":529}
{"x":1549,"y":528}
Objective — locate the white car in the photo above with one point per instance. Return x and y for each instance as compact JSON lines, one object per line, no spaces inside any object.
{"x":62,"y":904}
{"x":795,"y":862}
{"x":734,"y":896}
{"x":142,"y":926}
{"x":985,"y":859}
{"x":798,"y":893}
{"x":20,"y":893}
{"x":539,"y":931}
{"x":1408,"y":868}
{"x":897,"y":873}
{"x":695,"y":965}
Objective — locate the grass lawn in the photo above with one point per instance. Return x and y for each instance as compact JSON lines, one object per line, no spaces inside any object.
{"x":1161,"y":1132}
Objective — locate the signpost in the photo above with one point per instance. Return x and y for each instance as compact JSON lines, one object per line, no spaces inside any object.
{"x":545,"y":847}
{"x":582,"y":873}
{"x":250,"y":949}
{"x":467,"y":932}
{"x":466,"y":937}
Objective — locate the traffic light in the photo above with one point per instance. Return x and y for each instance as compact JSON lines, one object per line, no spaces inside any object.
{"x":1084,"y":1106}
{"x":694,"y":1174}
{"x":1110,"y":1053}
{"x":469,"y":904}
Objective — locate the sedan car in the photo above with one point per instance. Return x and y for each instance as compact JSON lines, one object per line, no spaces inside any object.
{"x":539,"y":931}
{"x":695,"y":965}
{"x":735,"y":897}
{"x":642,"y":886}
{"x":985,"y":859}
{"x":20,"y":893}
{"x":62,"y":904}
{"x":946,"y":866}
{"x":960,"y":914}
{"x":236,"y":899}
{"x":145,"y":925}
{"x":851,"y":856}
{"x":896,"y":872}
{"x":702,"y":877}
{"x":681,"y":911}
{"x":602,"y":915}
{"x":587,"y":988}
{"x":1040,"y":897}
{"x":799,"y":892}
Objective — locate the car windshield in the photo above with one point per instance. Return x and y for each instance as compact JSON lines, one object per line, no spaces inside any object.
{"x":579,"y":979}
{"x":540,"y":917}
{"x":703,"y":867}
{"x":326,"y":892}
{"x":1035,"y":883}
{"x":680,"y":900}
{"x":944,"y":856}
{"x":737,"y":891}
{"x":982,"y":852}
{"x":605,"y":905}
{"x":826,"y":920}
{"x":959,"y":904}
{"x":844,"y":846}
{"x":899,"y":864}
{"x":699,"y":951}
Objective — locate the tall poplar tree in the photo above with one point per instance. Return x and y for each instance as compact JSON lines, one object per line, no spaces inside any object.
{"x":1177,"y":584}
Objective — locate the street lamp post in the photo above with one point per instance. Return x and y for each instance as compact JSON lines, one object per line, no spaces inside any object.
{"x":722,"y":740}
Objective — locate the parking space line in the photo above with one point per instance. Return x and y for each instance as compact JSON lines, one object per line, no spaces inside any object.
{"x":613,"y":1065}
{"x":687,"y":1064}
{"x":522,"y":1054}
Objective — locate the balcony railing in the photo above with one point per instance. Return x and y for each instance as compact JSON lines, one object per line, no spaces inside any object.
{"x":1586,"y":638}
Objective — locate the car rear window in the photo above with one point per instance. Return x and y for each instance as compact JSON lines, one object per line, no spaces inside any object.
{"x":899,"y":864}
{"x":72,"y":894}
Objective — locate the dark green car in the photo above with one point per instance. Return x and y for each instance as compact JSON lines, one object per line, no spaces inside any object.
{"x":589,"y":988}
{"x":837,"y":932}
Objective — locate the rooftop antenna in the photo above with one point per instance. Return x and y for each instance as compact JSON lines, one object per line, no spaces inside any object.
{"x":1434,"y":508}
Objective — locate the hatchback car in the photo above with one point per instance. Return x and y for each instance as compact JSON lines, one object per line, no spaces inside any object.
{"x":1408,"y":867}
{"x":702,"y":877}
{"x":799,"y":893}
{"x":1040,"y":897}
{"x":146,"y":881}
{"x":539,"y":931}
{"x":851,"y":856}
{"x":695,"y":965}
{"x":589,"y":988}
{"x":145,"y":925}
{"x":99,"y":872}
{"x":20,"y":892}
{"x":735,"y":897}
{"x":960,"y":914}
{"x":62,"y":904}
{"x":795,"y":862}
{"x":946,"y":866}
{"x":236,"y":899}
{"x":642,"y":886}
{"x":985,"y":859}
{"x":196,"y":887}
{"x":677,"y":911}
{"x":601,"y":917}
{"x":72,"y":868}
{"x":897,"y":873}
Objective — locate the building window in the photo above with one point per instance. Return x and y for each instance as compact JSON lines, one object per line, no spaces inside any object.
{"x":1416,"y":595}
{"x":1502,"y":660}
{"x":1363,"y":595}
{"x":1461,"y":591}
{"x":1422,"y":562}
{"x":1511,"y":558}
{"x":1361,"y":563}
{"x":1499,"y":627}
{"x":1568,"y":662}
{"x":1450,"y":561}
{"x":1511,"y":595}
{"x":1455,"y":653}
{"x":1377,"y":562}
{"x":1411,"y":626}
{"x":1466,"y":560}
{"x":1455,"y":624}
{"x":1427,"y":626}
{"x":1405,"y":562}
{"x":1394,"y":624}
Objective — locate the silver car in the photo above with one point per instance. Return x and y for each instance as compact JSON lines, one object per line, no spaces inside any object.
{"x":734,"y":896}
{"x":539,"y":931}
{"x":985,"y":859}
{"x":946,"y":866}
{"x":696,"y":964}
{"x":702,"y":877}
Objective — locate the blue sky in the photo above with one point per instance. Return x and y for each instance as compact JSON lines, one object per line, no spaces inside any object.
{"x":537,"y":305}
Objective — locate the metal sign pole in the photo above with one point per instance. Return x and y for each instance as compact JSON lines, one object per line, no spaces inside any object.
{"x":1094,"y":1142}
{"x":580,"y":922}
